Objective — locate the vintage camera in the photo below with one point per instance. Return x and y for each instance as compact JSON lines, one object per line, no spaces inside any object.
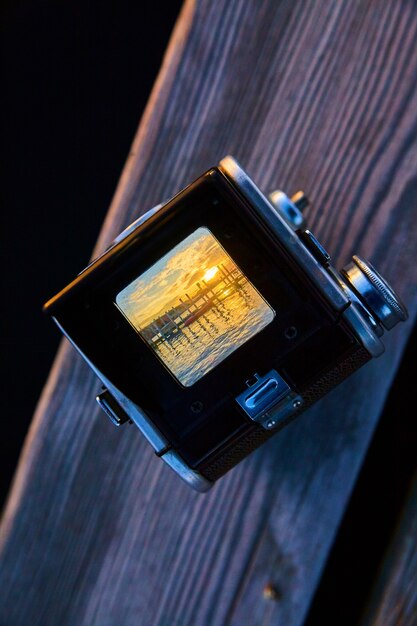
{"x":216,"y":318}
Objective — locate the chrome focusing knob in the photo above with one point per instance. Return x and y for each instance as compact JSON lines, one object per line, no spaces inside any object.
{"x":375,"y":293}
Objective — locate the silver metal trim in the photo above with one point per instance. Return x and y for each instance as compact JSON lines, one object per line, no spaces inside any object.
{"x":289,"y":239}
{"x":191,"y":477}
{"x":326,"y":279}
{"x":140,"y":220}
{"x":146,"y":427}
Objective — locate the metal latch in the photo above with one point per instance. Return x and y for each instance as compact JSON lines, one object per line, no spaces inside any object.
{"x":269,"y":400}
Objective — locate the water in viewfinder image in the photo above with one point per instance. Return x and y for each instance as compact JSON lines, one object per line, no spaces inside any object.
{"x":194,"y":307}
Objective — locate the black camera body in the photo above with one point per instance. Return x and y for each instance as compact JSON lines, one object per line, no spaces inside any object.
{"x":216,"y":318}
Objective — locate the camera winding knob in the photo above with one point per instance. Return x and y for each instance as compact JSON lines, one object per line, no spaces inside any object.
{"x":376,"y":294}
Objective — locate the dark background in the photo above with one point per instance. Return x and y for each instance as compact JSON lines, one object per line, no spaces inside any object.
{"x":75,"y":79}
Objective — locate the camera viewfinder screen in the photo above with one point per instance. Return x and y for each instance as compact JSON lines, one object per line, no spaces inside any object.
{"x":194,"y":307}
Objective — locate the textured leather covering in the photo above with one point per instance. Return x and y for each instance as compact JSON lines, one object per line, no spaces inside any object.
{"x":230,"y":457}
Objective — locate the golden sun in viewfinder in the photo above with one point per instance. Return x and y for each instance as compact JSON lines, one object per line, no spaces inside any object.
{"x":194,"y":307}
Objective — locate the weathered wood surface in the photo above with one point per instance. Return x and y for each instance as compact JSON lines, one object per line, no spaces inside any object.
{"x":394,"y":601}
{"x":307,"y":94}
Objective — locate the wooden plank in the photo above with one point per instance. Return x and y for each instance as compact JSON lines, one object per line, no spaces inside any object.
{"x":309,"y":94}
{"x":394,"y":600}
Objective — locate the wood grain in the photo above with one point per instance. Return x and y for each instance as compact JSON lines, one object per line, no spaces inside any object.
{"x":394,"y":601}
{"x":306,"y":94}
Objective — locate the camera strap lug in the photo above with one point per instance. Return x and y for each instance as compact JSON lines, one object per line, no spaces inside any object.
{"x":111,"y":408}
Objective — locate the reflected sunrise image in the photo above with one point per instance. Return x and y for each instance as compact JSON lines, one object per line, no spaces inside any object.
{"x":194,"y":307}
